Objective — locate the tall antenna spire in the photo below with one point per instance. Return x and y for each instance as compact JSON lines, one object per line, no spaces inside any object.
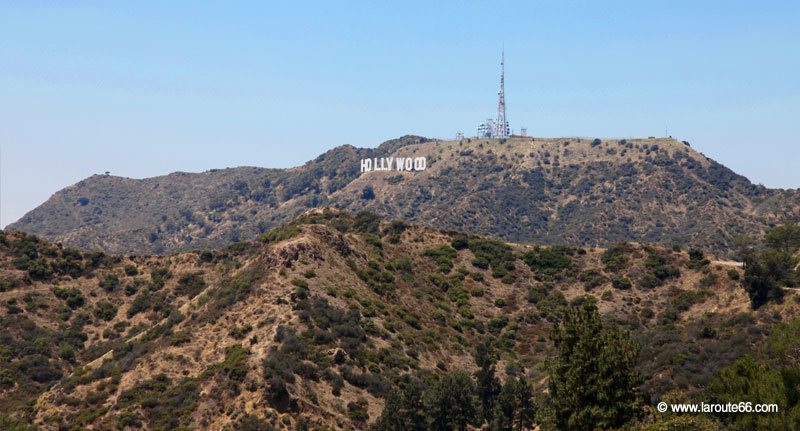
{"x":502,"y":124}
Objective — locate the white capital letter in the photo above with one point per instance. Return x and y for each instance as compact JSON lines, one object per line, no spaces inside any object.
{"x":366,"y":165}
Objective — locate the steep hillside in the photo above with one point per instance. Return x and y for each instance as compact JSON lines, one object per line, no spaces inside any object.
{"x":311,"y":326}
{"x":556,"y":191}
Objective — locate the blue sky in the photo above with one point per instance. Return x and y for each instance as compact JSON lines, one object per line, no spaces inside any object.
{"x":149,"y":88}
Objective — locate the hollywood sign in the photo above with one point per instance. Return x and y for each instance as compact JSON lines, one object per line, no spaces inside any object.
{"x":394,"y":164}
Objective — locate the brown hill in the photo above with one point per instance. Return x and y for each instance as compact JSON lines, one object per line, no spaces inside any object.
{"x":312,"y":325}
{"x":555,"y":191}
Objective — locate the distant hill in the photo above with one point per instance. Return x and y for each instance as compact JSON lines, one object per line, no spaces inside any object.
{"x":312,"y":326}
{"x":572,"y":191}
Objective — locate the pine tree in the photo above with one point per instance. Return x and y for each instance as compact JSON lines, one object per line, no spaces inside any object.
{"x":487,"y":386}
{"x":593,"y":377}
{"x":403,"y":410}
{"x":514,"y":410}
{"x":451,"y":403}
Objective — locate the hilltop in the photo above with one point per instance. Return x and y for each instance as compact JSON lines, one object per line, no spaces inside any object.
{"x":313,"y":325}
{"x":554,"y":191}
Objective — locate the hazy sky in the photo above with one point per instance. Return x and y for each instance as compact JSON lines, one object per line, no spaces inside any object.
{"x":150,"y":88}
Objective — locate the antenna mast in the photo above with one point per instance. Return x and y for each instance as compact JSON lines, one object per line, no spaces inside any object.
{"x":501,"y":124}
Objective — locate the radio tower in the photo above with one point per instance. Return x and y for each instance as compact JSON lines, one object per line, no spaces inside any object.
{"x":502,"y":125}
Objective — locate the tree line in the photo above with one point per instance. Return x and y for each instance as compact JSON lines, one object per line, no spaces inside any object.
{"x":592,"y":384}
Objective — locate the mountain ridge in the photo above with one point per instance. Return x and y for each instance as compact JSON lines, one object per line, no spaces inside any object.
{"x":551,"y":190}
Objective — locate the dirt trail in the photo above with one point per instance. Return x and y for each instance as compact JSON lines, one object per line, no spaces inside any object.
{"x":732,"y":263}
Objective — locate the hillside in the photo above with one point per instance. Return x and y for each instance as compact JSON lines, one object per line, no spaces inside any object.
{"x":554,"y":191}
{"x":312,"y":325}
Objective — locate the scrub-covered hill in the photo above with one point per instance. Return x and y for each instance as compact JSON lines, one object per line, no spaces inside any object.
{"x":572,"y":191}
{"x":316,"y":323}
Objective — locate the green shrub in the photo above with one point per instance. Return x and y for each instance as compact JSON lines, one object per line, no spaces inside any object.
{"x":66,"y":352}
{"x":73,"y":297}
{"x":130,"y":270}
{"x":190,"y":284}
{"x":105,"y":311}
{"x":300,"y":283}
{"x":159,"y":277}
{"x":141,"y":303}
{"x":480,"y":262}
{"x":614,"y":258}
{"x":40,"y":269}
{"x":180,"y":338}
{"x":110,"y":282}
{"x":443,"y":256}
{"x":280,"y":233}
{"x":709,"y":280}
{"x":649,"y":281}
{"x":357,"y":410}
{"x":498,"y":255}
{"x":622,"y":283}
{"x":592,"y":278}
{"x":537,"y":293}
{"x":550,"y":261}
{"x":235,"y":364}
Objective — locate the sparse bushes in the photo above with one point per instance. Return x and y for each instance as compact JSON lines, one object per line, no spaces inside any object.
{"x":140,"y":303}
{"x":697,"y":259}
{"x":443,"y":256}
{"x":357,"y":411}
{"x":499,"y":256}
{"x":622,"y":283}
{"x":548,"y":262}
{"x":109,"y":283}
{"x":190,"y":284}
{"x":73,"y":297}
{"x":592,"y":278}
{"x":66,"y":352}
{"x":40,"y":269}
{"x":235,"y":364}
{"x":105,"y":310}
{"x":614,"y":258}
{"x":239,"y":332}
{"x":159,"y":277}
{"x":659,"y":270}
{"x":167,"y":405}
{"x":280,"y":233}
{"x":709,"y":280}
{"x":131,"y":270}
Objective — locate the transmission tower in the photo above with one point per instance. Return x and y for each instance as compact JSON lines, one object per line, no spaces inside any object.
{"x":501,"y":124}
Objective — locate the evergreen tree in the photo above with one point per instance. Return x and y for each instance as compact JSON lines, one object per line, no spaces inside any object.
{"x":749,"y":381}
{"x":763,"y":275}
{"x":487,"y":386}
{"x":514,"y":410}
{"x":785,"y":238}
{"x":593,"y":377}
{"x":767,"y":272}
{"x":451,"y":403}
{"x":403,"y":410}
